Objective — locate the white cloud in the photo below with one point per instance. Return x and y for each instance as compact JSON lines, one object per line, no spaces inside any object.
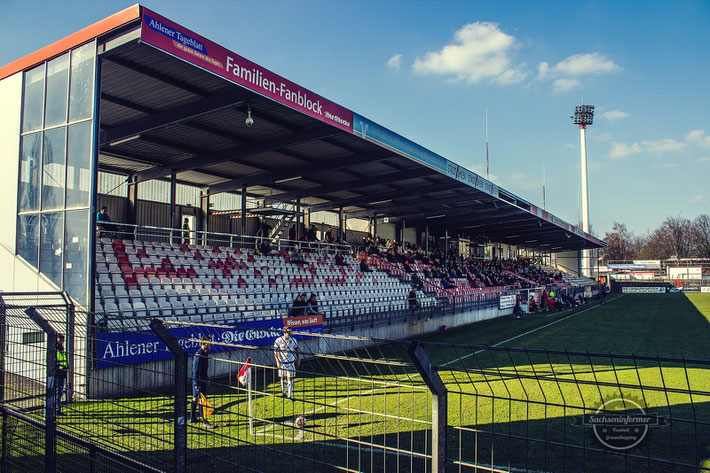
{"x":588,"y":63}
{"x":614,"y":115}
{"x":394,"y":62}
{"x":570,"y":146}
{"x":564,"y":85}
{"x":479,"y":52}
{"x":566,"y":74}
{"x":699,"y":138}
{"x":602,"y":137}
{"x":703,"y":160}
{"x":661,"y":146}
{"x":622,"y":150}
{"x":696,"y":200}
{"x":517,"y":175}
{"x":664,"y":166}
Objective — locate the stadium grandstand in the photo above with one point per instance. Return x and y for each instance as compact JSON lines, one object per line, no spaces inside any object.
{"x":162,"y":177}
{"x":201,"y":158}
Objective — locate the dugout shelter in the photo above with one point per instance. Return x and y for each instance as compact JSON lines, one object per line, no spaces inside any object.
{"x":138,"y":96}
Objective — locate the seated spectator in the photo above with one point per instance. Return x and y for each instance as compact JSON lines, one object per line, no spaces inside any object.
{"x":364,"y":267}
{"x":446,"y":283}
{"x":312,"y":306}
{"x":517,"y":310}
{"x":102,"y":216}
{"x":580,"y":299}
{"x":297,"y":256}
{"x":265,"y":247}
{"x":299,"y":306}
{"x":413,"y":302}
{"x":552,"y":304}
{"x":339,"y":260}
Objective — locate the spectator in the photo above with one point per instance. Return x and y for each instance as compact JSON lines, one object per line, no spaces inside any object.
{"x":532,"y":305}
{"x":311,"y":233}
{"x":339,"y":260}
{"x":364,"y":267}
{"x":517,"y":310}
{"x":329,"y":236}
{"x":312,"y":306}
{"x":102,"y":216}
{"x":297,"y":256}
{"x":292,"y":233}
{"x":413,"y":302}
{"x":186,"y":231}
{"x":299,"y":306}
{"x":265,"y":247}
{"x":602,"y":293}
{"x":416,"y":282}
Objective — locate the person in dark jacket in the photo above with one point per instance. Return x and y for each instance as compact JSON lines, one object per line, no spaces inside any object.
{"x":299,"y":306}
{"x":413,"y":302}
{"x":312,"y":305}
{"x":200,"y":379}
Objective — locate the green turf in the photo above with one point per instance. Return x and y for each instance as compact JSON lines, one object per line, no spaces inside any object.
{"x":506,"y":408}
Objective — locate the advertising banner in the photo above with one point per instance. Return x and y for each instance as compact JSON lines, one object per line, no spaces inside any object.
{"x":506,"y":302}
{"x":643,"y":290}
{"x":129,"y":348}
{"x":178,"y":41}
{"x":705,"y":289}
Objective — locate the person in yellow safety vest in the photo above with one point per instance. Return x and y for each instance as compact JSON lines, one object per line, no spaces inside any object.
{"x":61,"y":375}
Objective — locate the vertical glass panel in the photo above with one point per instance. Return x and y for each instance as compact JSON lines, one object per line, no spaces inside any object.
{"x":79,"y":164}
{"x":76,"y":254}
{"x":30,"y":167}
{"x":57,"y":90}
{"x":53,"y":169}
{"x":33,"y":101}
{"x":51,"y":246}
{"x":28,"y":238}
{"x":81,"y":95}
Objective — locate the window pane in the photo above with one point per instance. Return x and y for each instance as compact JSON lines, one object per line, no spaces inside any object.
{"x":57,"y":84}
{"x":81,"y":95}
{"x":28,"y":238}
{"x":75,"y":256}
{"x":79,"y":164}
{"x":53,"y":169}
{"x":51,"y":236}
{"x":33,"y":103}
{"x":30,"y":166}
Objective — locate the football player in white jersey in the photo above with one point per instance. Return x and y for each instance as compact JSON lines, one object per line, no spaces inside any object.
{"x":288,"y":357}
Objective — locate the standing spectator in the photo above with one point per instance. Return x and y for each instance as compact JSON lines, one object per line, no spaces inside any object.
{"x":287,"y":356}
{"x":329,"y":236}
{"x":602,"y":293}
{"x":60,"y":376}
{"x":186,"y":231}
{"x":311,"y":233}
{"x":292,"y":233}
{"x":200,"y":378}
{"x":413,"y":302}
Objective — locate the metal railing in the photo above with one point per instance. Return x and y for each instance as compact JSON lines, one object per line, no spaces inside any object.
{"x":208,"y":239}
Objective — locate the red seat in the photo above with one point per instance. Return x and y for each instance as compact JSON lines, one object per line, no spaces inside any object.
{"x":227,"y":273}
{"x":216,"y":284}
{"x":184,"y":248}
{"x":242,"y":283}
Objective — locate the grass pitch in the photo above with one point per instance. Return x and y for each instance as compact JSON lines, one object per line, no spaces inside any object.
{"x":509,"y":410}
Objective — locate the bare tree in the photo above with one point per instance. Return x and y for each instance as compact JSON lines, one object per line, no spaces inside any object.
{"x":674,"y":238}
{"x":700,"y":236}
{"x":619,"y":244}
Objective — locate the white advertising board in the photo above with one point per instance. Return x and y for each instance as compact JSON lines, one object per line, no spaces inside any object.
{"x":705,"y":289}
{"x":507,"y":302}
{"x":643,"y":290}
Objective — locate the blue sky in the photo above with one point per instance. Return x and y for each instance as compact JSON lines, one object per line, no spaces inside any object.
{"x":428,"y":70}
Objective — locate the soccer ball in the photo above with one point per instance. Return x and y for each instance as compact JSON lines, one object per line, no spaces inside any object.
{"x":300,"y":422}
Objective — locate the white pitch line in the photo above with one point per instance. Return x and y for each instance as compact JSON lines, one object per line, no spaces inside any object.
{"x":526,"y":333}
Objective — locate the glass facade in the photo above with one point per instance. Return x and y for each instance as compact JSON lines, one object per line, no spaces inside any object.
{"x":56,"y":167}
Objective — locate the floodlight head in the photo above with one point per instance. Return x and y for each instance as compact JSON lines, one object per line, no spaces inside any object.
{"x":583,"y":115}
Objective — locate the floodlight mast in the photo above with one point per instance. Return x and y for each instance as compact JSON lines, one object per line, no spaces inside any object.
{"x":584,"y":116}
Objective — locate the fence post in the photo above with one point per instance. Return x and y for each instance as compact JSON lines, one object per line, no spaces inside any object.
{"x":180,"y":413}
{"x":70,"y":348}
{"x":50,"y":409}
{"x":4,"y":457}
{"x":439,"y":418}
{"x":3,"y":337}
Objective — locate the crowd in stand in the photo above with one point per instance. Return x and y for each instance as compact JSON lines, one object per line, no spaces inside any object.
{"x":479,"y":273}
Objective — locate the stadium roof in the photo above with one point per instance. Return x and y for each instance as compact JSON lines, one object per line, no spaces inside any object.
{"x":175,"y":102}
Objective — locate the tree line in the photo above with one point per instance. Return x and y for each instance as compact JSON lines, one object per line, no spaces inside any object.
{"x":676,"y":237}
